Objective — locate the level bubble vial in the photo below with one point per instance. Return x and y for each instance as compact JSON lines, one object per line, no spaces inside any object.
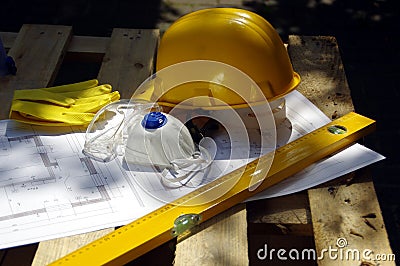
{"x":337,"y":129}
{"x":185,"y":222}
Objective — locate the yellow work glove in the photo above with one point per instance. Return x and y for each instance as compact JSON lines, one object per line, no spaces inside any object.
{"x":72,"y":104}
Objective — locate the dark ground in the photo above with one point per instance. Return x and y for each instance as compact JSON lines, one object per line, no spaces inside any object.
{"x":367,"y":32}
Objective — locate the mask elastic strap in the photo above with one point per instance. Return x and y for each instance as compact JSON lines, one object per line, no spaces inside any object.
{"x":199,"y":161}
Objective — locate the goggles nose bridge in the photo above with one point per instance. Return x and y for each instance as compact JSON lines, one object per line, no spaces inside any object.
{"x":106,"y":134}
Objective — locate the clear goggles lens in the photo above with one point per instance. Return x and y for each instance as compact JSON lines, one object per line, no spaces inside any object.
{"x":107,"y":132}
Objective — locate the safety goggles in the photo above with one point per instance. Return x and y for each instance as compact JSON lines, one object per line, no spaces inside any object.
{"x":107,"y":133}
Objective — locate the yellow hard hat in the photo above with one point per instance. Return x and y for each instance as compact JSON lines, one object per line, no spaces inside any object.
{"x":236,"y":37}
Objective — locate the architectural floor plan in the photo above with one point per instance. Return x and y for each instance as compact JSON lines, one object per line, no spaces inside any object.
{"x":45,"y":180}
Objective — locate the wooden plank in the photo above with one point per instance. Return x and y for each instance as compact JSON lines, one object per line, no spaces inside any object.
{"x":350,"y":211}
{"x":81,"y":48}
{"x":290,"y":209}
{"x":122,"y":73}
{"x":324,"y":83}
{"x":78,"y":44}
{"x":50,"y":250}
{"x":88,"y":44}
{"x":38,"y":51}
{"x":221,"y":240}
{"x":130,"y":52}
{"x":284,"y":228}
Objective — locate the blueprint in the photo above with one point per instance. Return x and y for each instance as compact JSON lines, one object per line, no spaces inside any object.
{"x":49,"y":189}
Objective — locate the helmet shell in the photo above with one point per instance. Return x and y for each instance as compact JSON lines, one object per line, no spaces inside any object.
{"x":232,"y":36}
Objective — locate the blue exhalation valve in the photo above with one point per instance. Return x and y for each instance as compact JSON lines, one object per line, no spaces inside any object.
{"x":154,"y":120}
{"x":7,"y":64}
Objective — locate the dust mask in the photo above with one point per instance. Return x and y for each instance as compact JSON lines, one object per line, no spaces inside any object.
{"x":161,"y":140}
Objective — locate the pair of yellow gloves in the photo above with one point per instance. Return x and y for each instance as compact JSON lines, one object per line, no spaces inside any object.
{"x":65,"y":105}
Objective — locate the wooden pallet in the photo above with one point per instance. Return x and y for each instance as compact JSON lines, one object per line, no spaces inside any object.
{"x":347,"y":207}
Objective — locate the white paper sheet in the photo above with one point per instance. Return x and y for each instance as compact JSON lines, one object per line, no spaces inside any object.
{"x":304,"y":120}
{"x":49,"y":189}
